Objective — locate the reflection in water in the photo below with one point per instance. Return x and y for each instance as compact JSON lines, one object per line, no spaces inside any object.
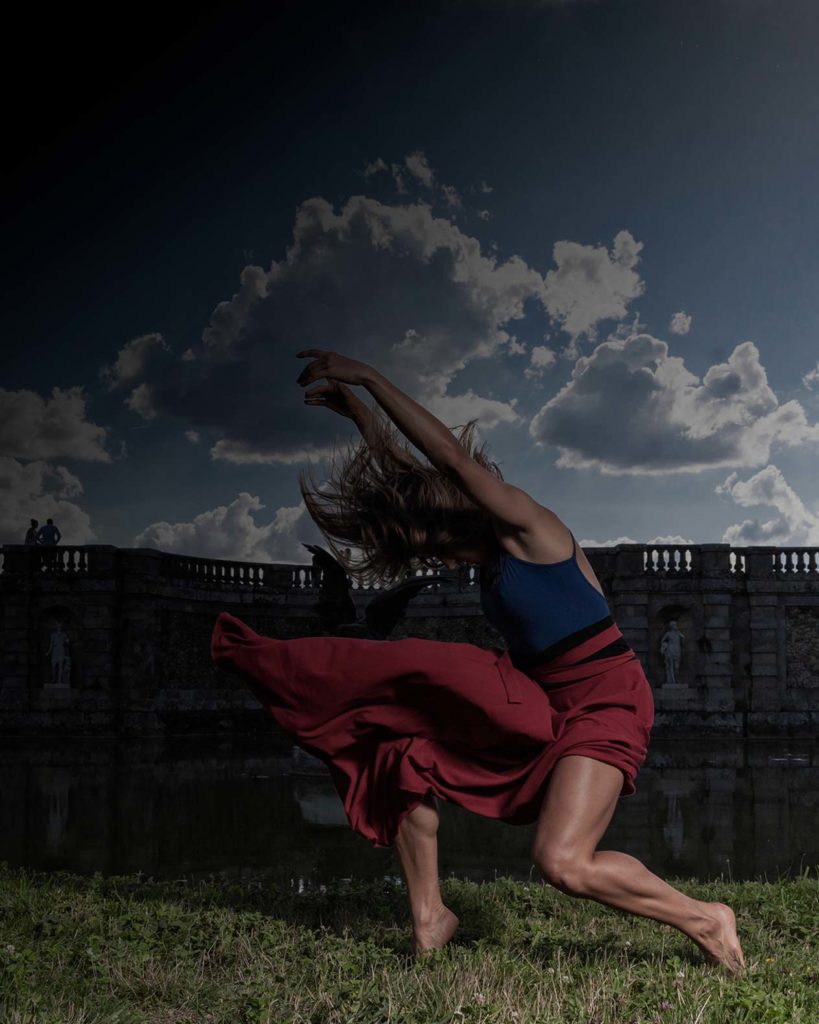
{"x":318,"y":802}
{"x":55,"y":786}
{"x":711,"y":808}
{"x":673,"y":829}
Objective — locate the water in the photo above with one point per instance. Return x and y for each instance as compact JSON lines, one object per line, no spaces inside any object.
{"x":710,"y":808}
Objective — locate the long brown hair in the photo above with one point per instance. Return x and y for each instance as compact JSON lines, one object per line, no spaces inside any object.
{"x":396,"y":509}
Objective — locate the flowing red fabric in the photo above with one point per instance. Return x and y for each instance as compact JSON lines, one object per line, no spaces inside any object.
{"x":395,"y":720}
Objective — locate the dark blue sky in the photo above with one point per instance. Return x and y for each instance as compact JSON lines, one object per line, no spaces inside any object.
{"x":631,"y":311}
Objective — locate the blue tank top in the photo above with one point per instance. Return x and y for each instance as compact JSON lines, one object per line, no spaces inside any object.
{"x":535,"y":604}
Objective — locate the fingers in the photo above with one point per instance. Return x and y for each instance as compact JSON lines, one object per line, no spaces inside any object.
{"x":314,"y":369}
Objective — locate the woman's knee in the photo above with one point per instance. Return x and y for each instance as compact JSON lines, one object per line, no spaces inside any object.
{"x":560,"y":866}
{"x":423,"y":819}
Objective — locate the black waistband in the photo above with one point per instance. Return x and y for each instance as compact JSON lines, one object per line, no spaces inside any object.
{"x":566,"y":643}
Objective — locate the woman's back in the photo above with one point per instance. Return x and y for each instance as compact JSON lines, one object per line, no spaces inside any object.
{"x":537,"y":605}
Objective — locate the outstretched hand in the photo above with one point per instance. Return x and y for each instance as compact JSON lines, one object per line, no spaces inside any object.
{"x":332,"y":366}
{"x":335,"y":396}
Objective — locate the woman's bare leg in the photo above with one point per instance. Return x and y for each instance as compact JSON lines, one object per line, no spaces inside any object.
{"x":433,"y":924}
{"x":577,"y":808}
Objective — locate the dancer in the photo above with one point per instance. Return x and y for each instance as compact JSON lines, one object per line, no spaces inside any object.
{"x":551,"y":730}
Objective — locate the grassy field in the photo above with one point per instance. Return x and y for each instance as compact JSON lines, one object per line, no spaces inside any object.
{"x":77,"y":950}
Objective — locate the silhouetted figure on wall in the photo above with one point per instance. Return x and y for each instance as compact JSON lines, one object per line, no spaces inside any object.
{"x":31,"y":533}
{"x":49,"y":534}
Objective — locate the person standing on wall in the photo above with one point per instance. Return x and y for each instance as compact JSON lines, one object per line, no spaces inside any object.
{"x":49,"y":534}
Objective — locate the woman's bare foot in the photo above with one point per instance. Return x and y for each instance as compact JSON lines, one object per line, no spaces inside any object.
{"x":719,"y":941}
{"x":434,"y":932}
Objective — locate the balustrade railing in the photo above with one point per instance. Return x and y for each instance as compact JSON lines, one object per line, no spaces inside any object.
{"x":677,"y":561}
{"x":796,"y":561}
{"x":207,"y":571}
{"x":668,"y":560}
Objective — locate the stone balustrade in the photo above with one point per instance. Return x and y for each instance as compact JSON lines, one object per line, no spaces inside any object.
{"x":694,"y":560}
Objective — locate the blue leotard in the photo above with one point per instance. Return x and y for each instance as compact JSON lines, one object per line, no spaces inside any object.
{"x":536,"y":605}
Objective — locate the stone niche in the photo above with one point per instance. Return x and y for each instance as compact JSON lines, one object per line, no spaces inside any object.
{"x":59,"y":649}
{"x":661,"y":614}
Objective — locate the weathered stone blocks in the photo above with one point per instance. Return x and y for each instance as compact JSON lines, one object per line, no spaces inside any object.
{"x":139,"y":624}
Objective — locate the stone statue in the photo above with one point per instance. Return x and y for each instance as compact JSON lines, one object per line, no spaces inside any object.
{"x":671,"y":649}
{"x":60,"y":657}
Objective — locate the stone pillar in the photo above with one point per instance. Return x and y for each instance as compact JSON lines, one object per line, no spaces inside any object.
{"x":714,"y":561}
{"x":759,"y":562}
{"x":629,"y":560}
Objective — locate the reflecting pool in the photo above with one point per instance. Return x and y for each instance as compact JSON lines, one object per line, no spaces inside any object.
{"x":707,"y":808}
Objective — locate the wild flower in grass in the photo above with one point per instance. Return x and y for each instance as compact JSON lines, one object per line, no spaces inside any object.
{"x":665,"y":1005}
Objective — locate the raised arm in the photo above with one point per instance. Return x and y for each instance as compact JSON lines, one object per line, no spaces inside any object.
{"x":415,"y":422}
{"x":509,"y":504}
{"x":426,"y":432}
{"x":364,"y":418}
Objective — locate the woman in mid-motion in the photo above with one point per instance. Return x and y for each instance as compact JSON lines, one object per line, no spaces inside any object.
{"x":553,"y":729}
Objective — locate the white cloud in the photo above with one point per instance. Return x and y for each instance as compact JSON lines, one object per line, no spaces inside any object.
{"x":392,"y":285}
{"x":132,"y":360}
{"x":680,"y":323}
{"x":398,"y":178}
{"x":140,"y":401}
{"x":228,"y":319}
{"x":375,"y":167}
{"x":541,"y":359}
{"x":36,"y":490}
{"x":32,"y":427}
{"x":658,"y":541}
{"x":484,"y":188}
{"x":451,"y":196}
{"x":459,"y":409}
{"x":630,"y":407}
{"x":811,"y":378}
{"x":193,"y":436}
{"x":231,"y":532}
{"x":70,"y":485}
{"x":242,"y":453}
{"x":793,"y":523}
{"x":419,"y":168}
{"x":484,"y":214}
{"x":592,"y":284}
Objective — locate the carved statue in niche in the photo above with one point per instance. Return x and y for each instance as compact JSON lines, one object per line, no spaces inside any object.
{"x":58,"y":649}
{"x":671,"y":650}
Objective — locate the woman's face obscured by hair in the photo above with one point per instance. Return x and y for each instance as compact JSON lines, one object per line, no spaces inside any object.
{"x":465,"y":541}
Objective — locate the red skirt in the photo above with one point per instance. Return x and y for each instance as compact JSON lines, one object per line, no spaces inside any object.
{"x":395,"y":720}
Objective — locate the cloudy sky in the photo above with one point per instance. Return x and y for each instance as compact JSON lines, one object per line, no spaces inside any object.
{"x":591,"y":225}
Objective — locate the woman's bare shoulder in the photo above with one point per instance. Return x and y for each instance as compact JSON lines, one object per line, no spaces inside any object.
{"x":546,"y":539}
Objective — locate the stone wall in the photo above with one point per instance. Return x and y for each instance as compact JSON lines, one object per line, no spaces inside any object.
{"x":138,"y":624}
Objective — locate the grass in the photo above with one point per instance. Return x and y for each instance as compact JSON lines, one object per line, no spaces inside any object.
{"x":122,"y":950}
